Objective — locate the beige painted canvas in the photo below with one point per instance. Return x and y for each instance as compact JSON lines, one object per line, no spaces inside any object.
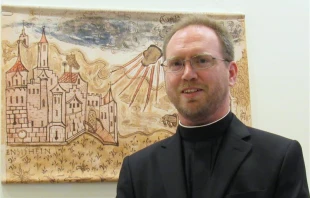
{"x":82,"y":89}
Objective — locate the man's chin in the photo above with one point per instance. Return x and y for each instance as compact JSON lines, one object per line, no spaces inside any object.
{"x":192,"y":113}
{"x":192,"y":105}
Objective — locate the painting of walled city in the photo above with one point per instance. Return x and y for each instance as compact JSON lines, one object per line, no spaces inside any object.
{"x":82,"y":89}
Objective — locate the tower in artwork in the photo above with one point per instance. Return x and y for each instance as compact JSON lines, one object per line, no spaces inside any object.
{"x":16,"y":91}
{"x":43,"y":51}
{"x":23,"y":37}
{"x":109,"y":110}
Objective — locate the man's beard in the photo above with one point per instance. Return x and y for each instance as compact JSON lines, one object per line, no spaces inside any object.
{"x":213,"y":101}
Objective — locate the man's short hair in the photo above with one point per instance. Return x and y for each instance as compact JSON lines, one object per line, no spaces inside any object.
{"x":225,"y":38}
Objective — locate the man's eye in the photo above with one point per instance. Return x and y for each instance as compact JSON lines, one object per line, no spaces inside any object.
{"x":177,"y":63}
{"x":202,"y":60}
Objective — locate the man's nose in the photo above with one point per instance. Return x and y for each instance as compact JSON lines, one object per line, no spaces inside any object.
{"x":189,"y":72}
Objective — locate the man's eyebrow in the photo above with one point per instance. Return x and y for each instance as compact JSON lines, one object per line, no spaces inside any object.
{"x":174,"y":57}
{"x":200,"y":54}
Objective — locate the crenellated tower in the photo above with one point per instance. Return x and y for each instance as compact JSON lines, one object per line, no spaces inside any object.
{"x":16,"y":98}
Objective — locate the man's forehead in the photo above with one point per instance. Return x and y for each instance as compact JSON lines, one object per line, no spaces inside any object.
{"x":195,"y":29}
{"x":194,"y":33}
{"x":194,"y":37}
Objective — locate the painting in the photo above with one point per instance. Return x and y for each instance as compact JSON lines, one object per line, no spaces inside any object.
{"x":82,"y":89}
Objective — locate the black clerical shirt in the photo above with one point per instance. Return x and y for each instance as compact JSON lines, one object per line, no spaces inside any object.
{"x":200,"y":148}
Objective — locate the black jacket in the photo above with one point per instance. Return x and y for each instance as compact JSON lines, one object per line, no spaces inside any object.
{"x":251,"y":164}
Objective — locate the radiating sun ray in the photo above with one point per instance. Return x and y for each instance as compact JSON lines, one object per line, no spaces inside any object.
{"x":157,"y":82}
{"x":132,"y":79}
{"x":129,"y":62}
{"x":139,"y":85}
{"x":150,"y":87}
{"x":128,"y":71}
{"x":142,"y":67}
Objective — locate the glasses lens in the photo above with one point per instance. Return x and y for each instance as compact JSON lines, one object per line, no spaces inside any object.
{"x":174,"y":65}
{"x":202,"y":61}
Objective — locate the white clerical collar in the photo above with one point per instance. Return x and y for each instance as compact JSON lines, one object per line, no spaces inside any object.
{"x":204,"y":124}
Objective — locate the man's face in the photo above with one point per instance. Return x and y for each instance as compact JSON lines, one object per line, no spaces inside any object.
{"x":200,"y":96}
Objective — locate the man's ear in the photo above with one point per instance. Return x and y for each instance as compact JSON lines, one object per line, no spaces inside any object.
{"x":233,"y":71}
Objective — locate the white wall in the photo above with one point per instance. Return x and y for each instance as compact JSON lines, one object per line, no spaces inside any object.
{"x":278,"y":55}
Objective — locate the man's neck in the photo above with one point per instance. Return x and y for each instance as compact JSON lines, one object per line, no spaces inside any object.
{"x":202,"y":125}
{"x":204,"y":120}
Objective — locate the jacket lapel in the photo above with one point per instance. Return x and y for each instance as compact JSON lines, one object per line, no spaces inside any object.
{"x":231,"y":155}
{"x":171,"y":167}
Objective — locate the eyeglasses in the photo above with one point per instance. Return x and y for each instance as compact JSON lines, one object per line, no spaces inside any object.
{"x":198,"y":62}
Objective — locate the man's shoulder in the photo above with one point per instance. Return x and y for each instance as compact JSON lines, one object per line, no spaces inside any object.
{"x":258,"y":133}
{"x":267,"y":140}
{"x":257,"y":136}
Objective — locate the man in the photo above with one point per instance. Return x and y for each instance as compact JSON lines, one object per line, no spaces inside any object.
{"x":212,"y":154}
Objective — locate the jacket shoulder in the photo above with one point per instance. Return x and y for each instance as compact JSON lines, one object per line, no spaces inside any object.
{"x":257,"y":133}
{"x":269,"y":141}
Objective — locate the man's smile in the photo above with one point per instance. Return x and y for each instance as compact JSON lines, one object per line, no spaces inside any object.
{"x":191,"y":90}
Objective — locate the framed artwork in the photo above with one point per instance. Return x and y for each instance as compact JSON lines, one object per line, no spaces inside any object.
{"x":82,"y":89}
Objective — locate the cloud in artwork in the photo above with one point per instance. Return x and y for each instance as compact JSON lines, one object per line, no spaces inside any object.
{"x":96,"y":31}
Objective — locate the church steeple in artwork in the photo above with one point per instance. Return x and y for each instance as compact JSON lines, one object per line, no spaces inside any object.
{"x":43,"y":51}
{"x":23,"y":37}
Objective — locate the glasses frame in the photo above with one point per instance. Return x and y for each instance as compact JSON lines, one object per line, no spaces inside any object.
{"x":164,"y":64}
